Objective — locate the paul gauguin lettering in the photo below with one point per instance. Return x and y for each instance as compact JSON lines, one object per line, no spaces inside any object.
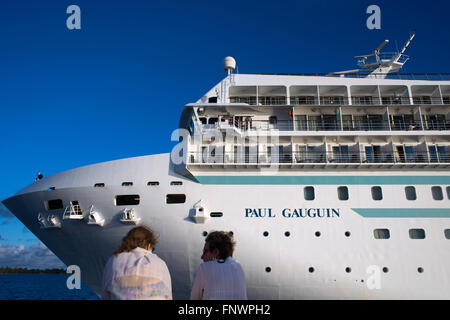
{"x":293,"y":213}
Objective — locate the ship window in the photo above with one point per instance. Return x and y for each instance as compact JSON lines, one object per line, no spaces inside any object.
{"x":381,"y":234}
{"x":99,"y":185}
{"x":54,"y":204}
{"x":175,"y":198}
{"x":437,"y":193}
{"x":153,"y":183}
{"x":176,"y":183}
{"x":212,"y":100}
{"x":377,"y":193}
{"x":342,"y":193}
{"x":447,"y":233}
{"x":216,"y":214}
{"x":410,"y":193}
{"x":127,"y":200}
{"x":309,"y":193}
{"x":273,"y":120}
{"x":416,"y":234}
{"x":213,"y":120}
{"x":127,"y":184}
{"x":448,"y":193}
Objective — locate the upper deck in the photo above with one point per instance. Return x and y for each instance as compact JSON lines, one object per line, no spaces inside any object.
{"x":324,"y":120}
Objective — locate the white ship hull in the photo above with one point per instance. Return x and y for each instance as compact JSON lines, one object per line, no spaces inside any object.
{"x":302,"y":264}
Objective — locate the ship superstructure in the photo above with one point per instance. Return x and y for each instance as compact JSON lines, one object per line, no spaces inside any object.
{"x":334,"y":186}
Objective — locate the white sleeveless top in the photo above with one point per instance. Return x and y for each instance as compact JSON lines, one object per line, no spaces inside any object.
{"x":136,"y":275}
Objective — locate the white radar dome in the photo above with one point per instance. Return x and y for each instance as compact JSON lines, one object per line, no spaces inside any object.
{"x":229,"y":64}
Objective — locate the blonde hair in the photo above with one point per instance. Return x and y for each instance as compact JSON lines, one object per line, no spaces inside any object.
{"x":137,"y":237}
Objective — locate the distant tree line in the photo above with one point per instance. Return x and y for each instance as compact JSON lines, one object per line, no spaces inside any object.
{"x":26,"y":270}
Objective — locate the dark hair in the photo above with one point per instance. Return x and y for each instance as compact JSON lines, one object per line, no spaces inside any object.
{"x":137,"y":237}
{"x":222,"y":241}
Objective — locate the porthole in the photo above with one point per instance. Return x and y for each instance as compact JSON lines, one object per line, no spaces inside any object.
{"x":268,"y":269}
{"x":420,"y":270}
{"x":231,"y":233}
{"x":175,"y":198}
{"x":436,"y":191}
{"x":287,"y":234}
{"x":377,"y":193}
{"x":342,"y":193}
{"x":127,"y":184}
{"x":99,"y":185}
{"x":317,"y":233}
{"x":309,"y":193}
{"x":153,"y":183}
{"x":265,"y":234}
{"x":416,"y":234}
{"x":311,"y":269}
{"x":385,"y":269}
{"x":216,"y":214}
{"x":347,"y":234}
{"x":348,"y":269}
{"x":53,"y":204}
{"x":410,"y":193}
{"x":176,"y":183}
{"x":205,"y":233}
{"x":381,"y":233}
{"x":127,"y":200}
{"x":447,"y":233}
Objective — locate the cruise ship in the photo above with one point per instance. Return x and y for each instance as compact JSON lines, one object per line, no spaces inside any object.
{"x":334,"y":186}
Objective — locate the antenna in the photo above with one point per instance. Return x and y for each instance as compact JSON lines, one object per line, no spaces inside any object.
{"x":383,"y":64}
{"x":229,"y":64}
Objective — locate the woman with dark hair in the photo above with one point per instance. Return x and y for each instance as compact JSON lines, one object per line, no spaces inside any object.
{"x":219,"y":277}
{"x":134,"y":272}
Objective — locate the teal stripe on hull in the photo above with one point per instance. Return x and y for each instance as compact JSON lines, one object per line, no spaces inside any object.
{"x":324,"y":180}
{"x":402,"y":213}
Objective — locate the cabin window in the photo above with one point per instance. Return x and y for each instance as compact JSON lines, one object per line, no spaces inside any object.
{"x":54,"y":204}
{"x":202,"y":120}
{"x":127,"y":200}
{"x":99,"y":185}
{"x":410,"y":193}
{"x":342,"y":193}
{"x":309,"y":193}
{"x":416,"y":234}
{"x":176,"y":183}
{"x":447,"y":233}
{"x":448,"y":193}
{"x":127,"y":184}
{"x":437,"y":193}
{"x":216,"y":214}
{"x":377,"y":193}
{"x":212,"y":100}
{"x":153,"y":183}
{"x":175,"y":198}
{"x":381,"y":234}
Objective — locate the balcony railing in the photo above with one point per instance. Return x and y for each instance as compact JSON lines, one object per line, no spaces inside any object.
{"x":337,"y":125}
{"x":340,"y":100}
{"x":317,"y":157}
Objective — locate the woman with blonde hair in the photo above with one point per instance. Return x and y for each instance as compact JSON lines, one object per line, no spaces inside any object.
{"x":134,"y":272}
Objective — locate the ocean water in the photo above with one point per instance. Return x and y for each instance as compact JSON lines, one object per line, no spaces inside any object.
{"x":41,"y":287}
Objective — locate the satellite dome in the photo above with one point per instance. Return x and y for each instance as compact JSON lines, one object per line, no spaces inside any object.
{"x":229,"y":64}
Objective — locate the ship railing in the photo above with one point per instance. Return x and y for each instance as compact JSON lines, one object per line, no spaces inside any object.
{"x":361,"y":158}
{"x":396,"y":75}
{"x":337,"y":125}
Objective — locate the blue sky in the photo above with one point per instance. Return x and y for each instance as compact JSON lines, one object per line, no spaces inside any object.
{"x":115,"y":88}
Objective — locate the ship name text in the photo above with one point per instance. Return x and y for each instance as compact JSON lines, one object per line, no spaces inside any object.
{"x":293,"y":213}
